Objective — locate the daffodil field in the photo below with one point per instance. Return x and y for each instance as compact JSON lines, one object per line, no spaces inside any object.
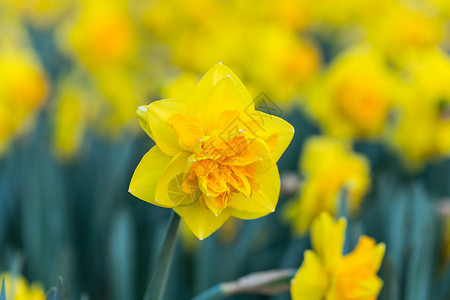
{"x":224,"y":149}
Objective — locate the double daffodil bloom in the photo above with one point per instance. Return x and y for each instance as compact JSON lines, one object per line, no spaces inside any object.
{"x":215,"y":155}
{"x":328,"y":166}
{"x":17,"y":288}
{"x":326,"y":274}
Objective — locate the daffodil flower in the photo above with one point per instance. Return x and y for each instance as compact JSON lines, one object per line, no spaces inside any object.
{"x":328,"y":165}
{"x":17,"y":288}
{"x":215,"y":155}
{"x":326,"y":274}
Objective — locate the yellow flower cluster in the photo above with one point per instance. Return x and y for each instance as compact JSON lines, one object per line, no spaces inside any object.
{"x":258,"y":39}
{"x":17,"y":288}
{"x":385,"y":79}
{"x":326,"y":274}
{"x":328,"y":166}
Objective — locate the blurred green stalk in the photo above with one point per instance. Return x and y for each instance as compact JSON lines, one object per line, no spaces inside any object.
{"x":270,"y":282}
{"x":158,"y":281}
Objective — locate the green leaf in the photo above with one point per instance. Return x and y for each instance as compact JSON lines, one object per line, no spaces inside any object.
{"x":158,"y":281}
{"x":57,"y":293}
{"x":2,"y":293}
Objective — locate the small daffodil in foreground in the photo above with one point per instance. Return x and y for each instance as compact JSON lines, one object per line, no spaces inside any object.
{"x":326,"y":274}
{"x":17,"y":288}
{"x":215,"y":155}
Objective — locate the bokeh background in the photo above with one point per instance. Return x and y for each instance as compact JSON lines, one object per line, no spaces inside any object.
{"x":366,"y":85}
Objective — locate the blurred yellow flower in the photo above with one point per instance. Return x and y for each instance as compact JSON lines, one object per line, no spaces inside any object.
{"x":102,"y":33}
{"x":23,"y":84}
{"x":215,"y":155}
{"x":405,"y":29}
{"x":41,"y":13}
{"x":355,"y":95}
{"x":71,"y":115}
{"x":326,"y":274}
{"x":282,"y":63}
{"x":17,"y":288}
{"x":260,"y":41}
{"x":426,"y":110}
{"x":104,"y":38}
{"x":343,"y":12}
{"x":328,"y":166}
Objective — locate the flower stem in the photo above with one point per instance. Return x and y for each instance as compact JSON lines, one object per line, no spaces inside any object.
{"x":215,"y":292}
{"x":270,"y":282}
{"x":157,"y":285}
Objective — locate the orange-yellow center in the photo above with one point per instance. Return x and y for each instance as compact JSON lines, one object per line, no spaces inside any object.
{"x":223,"y":160}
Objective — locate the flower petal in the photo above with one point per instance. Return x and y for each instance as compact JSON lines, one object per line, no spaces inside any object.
{"x":201,"y":220}
{"x":147,"y":174}
{"x":327,"y":238}
{"x":188,"y":130}
{"x":263,"y":200}
{"x":212,"y":78}
{"x":275,"y":131}
{"x":142,"y":116}
{"x":169,"y":190}
{"x":311,"y":280}
{"x":245,"y":215}
{"x":226,"y":95}
{"x":158,"y":114}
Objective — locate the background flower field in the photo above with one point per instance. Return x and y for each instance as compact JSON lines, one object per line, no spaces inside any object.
{"x":364,"y":83}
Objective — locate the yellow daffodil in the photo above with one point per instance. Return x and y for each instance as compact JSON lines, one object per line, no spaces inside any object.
{"x":17,"y":288}
{"x":342,"y":12}
{"x":355,"y":95}
{"x":104,"y":38}
{"x":100,"y":34}
{"x":283,"y":60}
{"x":215,"y":155}
{"x":259,"y":41}
{"x":423,"y":130}
{"x":328,"y":166}
{"x":405,"y":30}
{"x":71,"y":115}
{"x":326,"y":274}
{"x":41,"y":13}
{"x":23,"y":83}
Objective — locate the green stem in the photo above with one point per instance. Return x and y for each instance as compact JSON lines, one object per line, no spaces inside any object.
{"x":216,"y":292}
{"x":158,"y":281}
{"x":270,"y":282}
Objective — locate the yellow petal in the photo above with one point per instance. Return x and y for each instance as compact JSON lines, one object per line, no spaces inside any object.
{"x":275,"y":131}
{"x":188,"y":130}
{"x":163,"y":134}
{"x":311,"y":281}
{"x":225,"y":96}
{"x":201,"y":220}
{"x":169,"y":190}
{"x":212,"y":78}
{"x":367,"y":255}
{"x":142,"y":116}
{"x":327,"y":238}
{"x":245,"y":215}
{"x":263,"y":200}
{"x":147,"y":174}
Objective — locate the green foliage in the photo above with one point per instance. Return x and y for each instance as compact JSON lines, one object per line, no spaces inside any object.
{"x":57,"y":293}
{"x":2,"y":291}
